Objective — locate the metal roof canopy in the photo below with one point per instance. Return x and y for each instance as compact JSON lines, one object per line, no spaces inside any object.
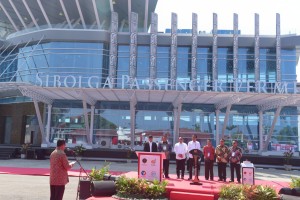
{"x":263,"y":100}
{"x":82,"y":14}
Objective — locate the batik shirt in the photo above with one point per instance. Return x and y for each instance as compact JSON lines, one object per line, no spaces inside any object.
{"x":222,"y":153}
{"x":235,"y":155}
{"x":59,"y":166}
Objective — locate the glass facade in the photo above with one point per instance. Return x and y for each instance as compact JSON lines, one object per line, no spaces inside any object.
{"x":64,"y":62}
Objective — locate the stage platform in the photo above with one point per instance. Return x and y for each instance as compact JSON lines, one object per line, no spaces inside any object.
{"x":178,"y":189}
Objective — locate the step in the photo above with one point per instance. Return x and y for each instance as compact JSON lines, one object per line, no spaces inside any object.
{"x":174,"y":195}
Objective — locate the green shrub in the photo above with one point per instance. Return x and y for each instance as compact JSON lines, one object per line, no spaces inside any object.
{"x":295,"y":182}
{"x":247,"y":192}
{"x":134,"y":188}
{"x":98,"y":174}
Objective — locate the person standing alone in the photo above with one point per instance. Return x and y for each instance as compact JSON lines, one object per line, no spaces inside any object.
{"x":180,"y":150}
{"x":235,"y":155}
{"x":209,"y":157}
{"x":222,"y":159}
{"x":150,"y":146}
{"x":165,"y":147}
{"x":59,"y":166}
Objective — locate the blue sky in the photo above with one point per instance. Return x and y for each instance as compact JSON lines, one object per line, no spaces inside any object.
{"x":267,"y":9}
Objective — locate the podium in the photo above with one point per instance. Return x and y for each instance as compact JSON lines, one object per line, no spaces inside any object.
{"x":150,"y":165}
{"x":247,"y":173}
{"x":196,"y":155}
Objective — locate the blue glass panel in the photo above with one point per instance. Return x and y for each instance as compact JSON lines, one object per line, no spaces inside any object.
{"x":204,"y":64}
{"x":123,"y":63}
{"x":183,"y":63}
{"x":143,"y":62}
{"x":163,"y":62}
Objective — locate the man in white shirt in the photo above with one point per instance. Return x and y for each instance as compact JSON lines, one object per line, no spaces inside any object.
{"x":194,"y":144}
{"x":180,"y":150}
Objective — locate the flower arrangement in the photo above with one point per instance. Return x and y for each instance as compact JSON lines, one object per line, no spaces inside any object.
{"x":79,"y":150}
{"x":133,"y":188}
{"x":247,"y":192}
{"x":287,"y":156}
{"x":98,"y":174}
{"x":25,"y":147}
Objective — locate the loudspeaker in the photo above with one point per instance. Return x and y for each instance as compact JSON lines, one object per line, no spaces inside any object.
{"x":103,"y":188}
{"x":296,"y":192}
{"x":287,"y":191}
{"x":84,"y":189}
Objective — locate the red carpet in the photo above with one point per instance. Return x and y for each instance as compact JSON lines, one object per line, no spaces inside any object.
{"x":41,"y":171}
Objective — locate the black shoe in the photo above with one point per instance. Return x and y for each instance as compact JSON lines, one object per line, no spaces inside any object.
{"x":239,"y":181}
{"x":177,"y":177}
{"x":182,"y":177}
{"x":224,"y":180}
{"x":212,"y":179}
{"x":231,"y":181}
{"x":167,"y":177}
{"x":189,"y":179}
{"x":220,"y":179}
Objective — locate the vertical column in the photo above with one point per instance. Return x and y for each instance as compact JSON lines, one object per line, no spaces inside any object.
{"x":235,"y":49}
{"x":278,"y":49}
{"x":226,"y":120}
{"x":173,"y":50}
{"x":86,"y":121}
{"x":177,"y":112}
{"x":215,"y":48}
{"x":217,"y":126}
{"x":113,"y":49}
{"x":256,"y":49}
{"x":271,"y":131}
{"x":153,"y":49}
{"x":92,"y":123}
{"x":261,"y":131}
{"x":48,"y":123}
{"x":194,"y":50}
{"x":40,"y":121}
{"x":133,"y":45}
{"x":132,"y":121}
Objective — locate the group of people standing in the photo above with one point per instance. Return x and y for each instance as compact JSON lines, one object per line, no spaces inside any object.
{"x":222,"y":154}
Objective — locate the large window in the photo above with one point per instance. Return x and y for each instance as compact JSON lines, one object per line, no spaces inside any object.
{"x":183,"y":63}
{"x":123,"y":63}
{"x":225,"y":68}
{"x":197,"y":119}
{"x":204,"y":64}
{"x":112,"y":124}
{"x":63,"y":59}
{"x":163,"y":62}
{"x":154,"y":119}
{"x":67,"y":122}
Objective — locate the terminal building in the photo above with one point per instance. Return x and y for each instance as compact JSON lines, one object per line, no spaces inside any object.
{"x":99,"y":73}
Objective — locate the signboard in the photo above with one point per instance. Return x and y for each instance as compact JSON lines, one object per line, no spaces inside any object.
{"x":150,"y":166}
{"x":247,"y":173}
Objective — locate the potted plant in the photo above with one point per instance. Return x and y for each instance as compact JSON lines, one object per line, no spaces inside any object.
{"x":287,"y":157}
{"x":79,"y":151}
{"x":134,"y":188}
{"x":94,"y":177}
{"x":247,"y":192}
{"x":24,"y":149}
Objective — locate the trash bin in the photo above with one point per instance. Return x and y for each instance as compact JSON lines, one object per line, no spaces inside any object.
{"x":248,"y":173}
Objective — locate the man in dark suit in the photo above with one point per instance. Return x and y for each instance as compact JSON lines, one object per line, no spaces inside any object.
{"x":150,"y":146}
